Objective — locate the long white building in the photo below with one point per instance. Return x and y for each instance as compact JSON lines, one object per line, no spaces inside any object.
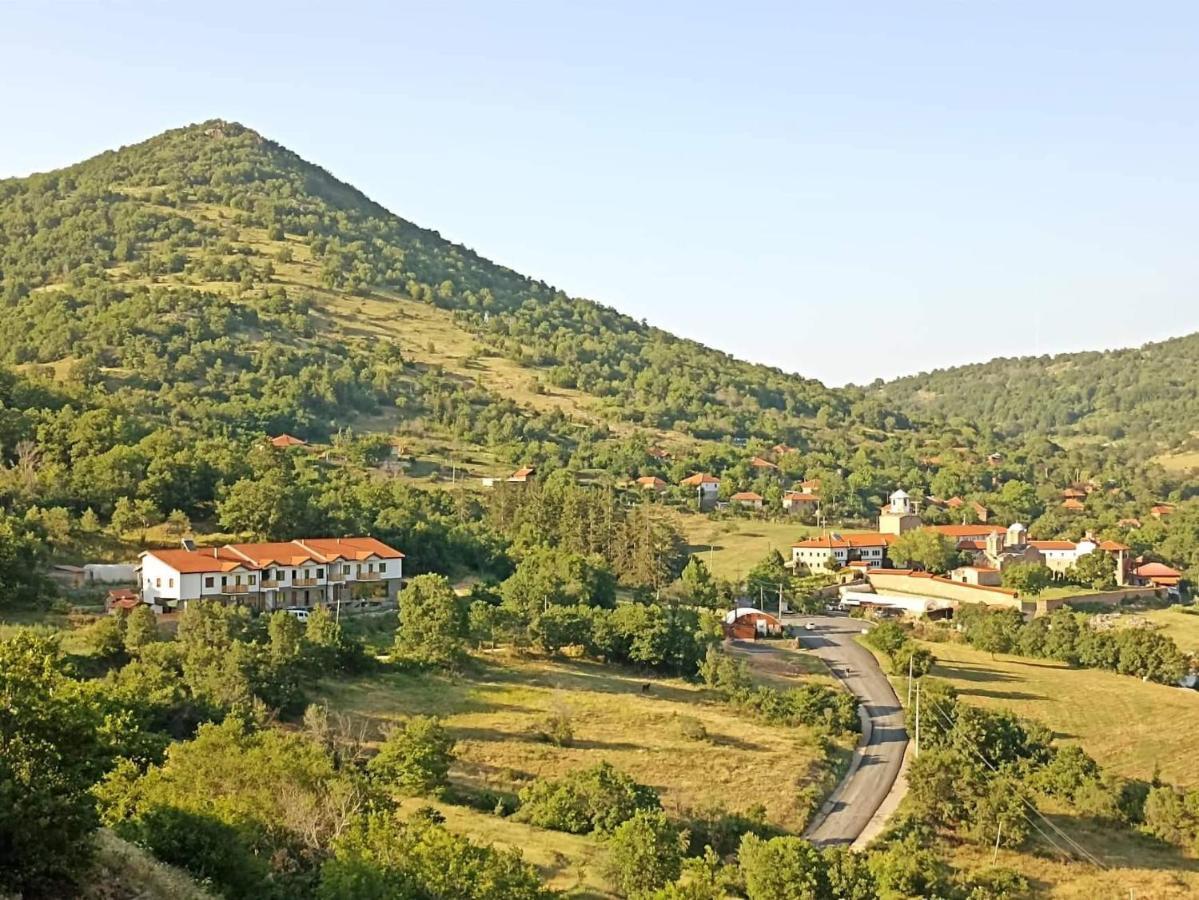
{"x":305,"y":573}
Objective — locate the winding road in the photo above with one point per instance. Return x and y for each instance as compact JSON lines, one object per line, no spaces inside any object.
{"x":877,"y":762}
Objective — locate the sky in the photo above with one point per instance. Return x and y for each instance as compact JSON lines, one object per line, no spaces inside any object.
{"x":847,"y":191}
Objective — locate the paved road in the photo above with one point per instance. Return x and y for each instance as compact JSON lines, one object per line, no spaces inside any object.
{"x":857,"y":798}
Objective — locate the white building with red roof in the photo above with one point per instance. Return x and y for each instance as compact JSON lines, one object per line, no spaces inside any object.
{"x":303,"y":573}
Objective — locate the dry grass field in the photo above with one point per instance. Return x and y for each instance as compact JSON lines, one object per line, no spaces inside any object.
{"x":1128,"y":725}
{"x":497,"y":711}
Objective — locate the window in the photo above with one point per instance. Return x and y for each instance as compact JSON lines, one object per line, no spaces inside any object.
{"x":209,"y":581}
{"x":170,"y":582}
{"x":237,"y":579}
{"x":293,"y":575}
{"x":253,"y":579}
{"x":347,"y":569}
{"x":224,"y":581}
{"x":320,"y":573}
{"x":382,"y":567}
{"x":158,"y":582}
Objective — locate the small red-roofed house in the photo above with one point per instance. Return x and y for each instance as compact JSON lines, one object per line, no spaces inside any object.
{"x":1072,"y":505}
{"x":748,"y":499}
{"x":286,"y":441}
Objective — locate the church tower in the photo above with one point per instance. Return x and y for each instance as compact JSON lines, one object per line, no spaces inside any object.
{"x":899,"y":515}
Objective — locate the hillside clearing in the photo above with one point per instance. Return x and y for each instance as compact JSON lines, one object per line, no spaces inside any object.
{"x":1128,"y":725}
{"x":731,"y":547}
{"x":497,"y":711}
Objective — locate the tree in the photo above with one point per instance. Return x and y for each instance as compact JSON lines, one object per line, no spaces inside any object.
{"x":781,"y":868}
{"x":552,"y":577}
{"x":22,"y":562}
{"x":381,"y":857}
{"x":924,"y":548}
{"x":89,"y":522}
{"x":270,"y":506}
{"x":1094,"y":570}
{"x":415,"y":758}
{"x":50,"y":756}
{"x":697,"y":584}
{"x":645,"y":852}
{"x":1017,"y":501}
{"x":597,"y":799}
{"x":141,"y":628}
{"x":913,"y":660}
{"x":1029,"y":579}
{"x":432,"y":629}
{"x":995,"y":631}
{"x":178,"y":522}
{"x":133,"y":514}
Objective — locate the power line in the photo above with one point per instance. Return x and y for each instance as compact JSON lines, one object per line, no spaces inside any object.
{"x":1023,"y":799}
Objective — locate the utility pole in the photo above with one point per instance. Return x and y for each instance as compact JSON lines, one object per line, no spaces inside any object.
{"x":780,"y":601}
{"x":917,"y":718}
{"x":998,"y":834}
{"x":911,"y":658}
{"x":761,"y":598}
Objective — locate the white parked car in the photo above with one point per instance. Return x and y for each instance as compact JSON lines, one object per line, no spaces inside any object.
{"x":297,"y":612}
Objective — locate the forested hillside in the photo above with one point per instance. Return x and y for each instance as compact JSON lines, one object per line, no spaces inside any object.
{"x":174,"y":266}
{"x":1146,"y":394}
{"x":168,"y":304}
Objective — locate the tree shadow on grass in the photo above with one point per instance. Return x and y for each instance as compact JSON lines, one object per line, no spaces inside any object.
{"x":970,"y":672}
{"x":1000,"y":695}
{"x":1120,"y":846}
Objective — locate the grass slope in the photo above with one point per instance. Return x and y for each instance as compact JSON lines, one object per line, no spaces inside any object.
{"x":495,"y":713}
{"x":1128,"y":725}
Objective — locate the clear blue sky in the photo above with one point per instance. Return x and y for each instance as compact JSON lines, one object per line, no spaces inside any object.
{"x":844,"y":190}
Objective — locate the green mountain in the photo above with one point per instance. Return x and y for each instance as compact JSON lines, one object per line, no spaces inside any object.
{"x":1146,"y":395}
{"x":168,"y":303}
{"x":170,"y":262}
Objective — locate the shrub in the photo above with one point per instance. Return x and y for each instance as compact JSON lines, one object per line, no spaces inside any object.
{"x":912,"y":659}
{"x":887,"y":637}
{"x":645,"y":852}
{"x":595,"y":799}
{"x":692,"y":728}
{"x":380,"y":856}
{"x":782,"y":868}
{"x":557,"y":730}
{"x":415,"y":758}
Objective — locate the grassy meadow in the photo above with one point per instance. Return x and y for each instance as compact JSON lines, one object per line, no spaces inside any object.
{"x":1128,"y":725}
{"x":497,"y":711}
{"x":731,"y":547}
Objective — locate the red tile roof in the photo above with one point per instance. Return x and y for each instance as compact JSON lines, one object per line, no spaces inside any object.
{"x":209,"y":559}
{"x":651,"y":481}
{"x":847,"y":541}
{"x":286,"y":440}
{"x":747,"y":495}
{"x":1157,"y":570}
{"x":700,"y":478}
{"x":281,"y":553}
{"x":523,"y":473}
{"x":1113,"y":546}
{"x":758,"y":463}
{"x":1054,"y":545}
{"x":800,"y":497}
{"x":1073,"y":504}
{"x":965,"y":531}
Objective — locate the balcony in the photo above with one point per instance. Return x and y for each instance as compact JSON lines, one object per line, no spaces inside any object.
{"x":236,"y":588}
{"x":270,"y":582}
{"x":335,"y":578}
{"x":306,"y":582}
{"x":368,"y":576}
